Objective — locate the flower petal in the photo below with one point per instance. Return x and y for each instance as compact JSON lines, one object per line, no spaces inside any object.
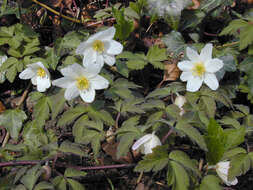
{"x":211,"y":81}
{"x":192,"y":54}
{"x":114,"y":47}
{"x":99,"y":82}
{"x":27,"y":74}
{"x":72,"y":71}
{"x":109,"y":59}
{"x":232,"y":182}
{"x":141,"y":141}
{"x":194,"y":84}
{"x":185,"y":65}
{"x":88,"y":95}
{"x":213,"y":65}
{"x":82,"y":48}
{"x":107,"y":34}
{"x":71,"y":92}
{"x":43,"y":84}
{"x":100,"y":60}
{"x":186,"y":76}
{"x":89,"y":57}
{"x":63,"y":82}
{"x":3,"y":59}
{"x":206,"y":52}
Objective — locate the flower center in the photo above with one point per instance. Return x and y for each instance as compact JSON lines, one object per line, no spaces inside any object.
{"x":98,"y":46}
{"x":199,"y":69}
{"x":82,"y":83}
{"x":41,"y":72}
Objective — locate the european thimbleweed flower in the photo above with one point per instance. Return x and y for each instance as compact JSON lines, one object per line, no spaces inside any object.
{"x":200,"y":68}
{"x":3,"y":58}
{"x":80,"y":81}
{"x":38,"y":74}
{"x":146,"y":143}
{"x":100,"y":48}
{"x":222,"y":169}
{"x":180,"y":101}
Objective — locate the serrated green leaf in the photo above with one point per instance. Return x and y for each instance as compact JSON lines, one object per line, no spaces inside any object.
{"x":229,"y":65}
{"x":43,"y":185}
{"x":174,"y":42}
{"x":229,"y":121}
{"x":19,"y":187}
{"x":216,"y":141}
{"x":60,"y":183}
{"x":151,"y":104}
{"x":184,"y":160}
{"x":7,"y":31}
{"x":210,"y":182}
{"x":31,"y":177}
{"x":234,"y":137}
{"x":156,"y":54}
{"x":246,"y":36}
{"x":231,"y":153}
{"x":193,"y":133}
{"x":122,"y":68}
{"x":155,"y":161}
{"x":72,"y":172}
{"x":75,"y":185}
{"x":136,"y":64}
{"x":42,"y":109}
{"x":57,"y":102}
{"x":69,"y":147}
{"x":239,"y":165}
{"x":233,"y":27}
{"x":12,"y":120}
{"x":210,"y":105}
{"x":20,"y":173}
{"x":52,"y":58}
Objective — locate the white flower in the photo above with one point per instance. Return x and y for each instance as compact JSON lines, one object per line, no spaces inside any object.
{"x":222,"y":171}
{"x":38,"y":74}
{"x":200,"y":68}
{"x":80,"y":81}
{"x":100,"y":48}
{"x":3,"y":58}
{"x":146,"y":143}
{"x":180,"y":101}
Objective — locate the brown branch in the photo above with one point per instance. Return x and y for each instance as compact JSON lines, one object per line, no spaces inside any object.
{"x":167,"y":135}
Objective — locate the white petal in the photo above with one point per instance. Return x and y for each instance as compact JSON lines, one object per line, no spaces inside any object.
{"x":34,"y":80}
{"x":63,"y":82}
{"x":99,"y":82}
{"x":3,"y":59}
{"x":93,"y":69}
{"x":100,"y":61}
{"x":192,"y":54}
{"x":27,"y":74}
{"x":114,"y":48}
{"x":82,"y":48}
{"x":72,"y":71}
{"x":194,"y":84}
{"x":88,"y":95}
{"x":71,"y":92}
{"x":213,"y":65}
{"x":107,"y":34}
{"x":206,"y":52}
{"x":232,"y":182}
{"x":141,"y":141}
{"x":43,"y":84}
{"x":185,"y":65}
{"x":186,"y":76}
{"x":211,"y":81}
{"x":109,"y":59}
{"x":89,"y":57}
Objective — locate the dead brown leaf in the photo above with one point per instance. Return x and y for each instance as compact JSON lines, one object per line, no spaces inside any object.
{"x":2,"y":107}
{"x":171,"y":72}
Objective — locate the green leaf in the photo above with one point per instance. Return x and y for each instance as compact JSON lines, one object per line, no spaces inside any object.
{"x":75,"y":185}
{"x":234,"y":137}
{"x":232,"y":152}
{"x":210,"y":105}
{"x":122,"y":68}
{"x":19,"y":187}
{"x":233,"y":26}
{"x":239,"y":165}
{"x":155,"y":55}
{"x":123,"y":27}
{"x":11,"y":66}
{"x":69,"y":147}
{"x":20,"y":173}
{"x":57,"y":102}
{"x":41,"y":110}
{"x":12,"y":120}
{"x":193,"y":133}
{"x":246,"y":36}
{"x":44,"y":185}
{"x":155,"y":161}
{"x":60,"y":183}
{"x":229,"y":66}
{"x":6,"y":31}
{"x":71,"y":172}
{"x":210,"y":182}
{"x":178,"y":176}
{"x":184,"y":160}
{"x":216,"y":141}
{"x":52,"y":58}
{"x":174,"y":42}
{"x":31,"y":177}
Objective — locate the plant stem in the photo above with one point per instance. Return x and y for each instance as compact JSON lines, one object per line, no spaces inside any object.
{"x":167,"y":135}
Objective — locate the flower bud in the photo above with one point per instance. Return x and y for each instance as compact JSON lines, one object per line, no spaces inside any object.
{"x":180,"y":101}
{"x":146,"y":143}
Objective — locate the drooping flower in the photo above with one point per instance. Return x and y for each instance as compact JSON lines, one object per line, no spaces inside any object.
{"x":100,"y":48}
{"x":200,"y":68}
{"x":80,"y":81}
{"x":222,"y":171}
{"x":180,"y":101}
{"x":146,"y":143}
{"x":38,"y":74}
{"x":3,"y":58}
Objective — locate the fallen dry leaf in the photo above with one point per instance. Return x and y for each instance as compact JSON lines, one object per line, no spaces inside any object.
{"x":2,"y":107}
{"x":171,"y":72}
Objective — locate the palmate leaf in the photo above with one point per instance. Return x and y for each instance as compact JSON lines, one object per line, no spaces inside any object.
{"x":11,"y":66}
{"x":216,"y":141}
{"x":57,"y":103}
{"x":155,"y":161}
{"x":68,"y":147}
{"x":31,"y":177}
{"x":43,"y":185}
{"x":210,"y":182}
{"x":60,"y":183}
{"x":126,"y":135}
{"x":75,"y":185}
{"x":155,"y":55}
{"x":12,"y":120}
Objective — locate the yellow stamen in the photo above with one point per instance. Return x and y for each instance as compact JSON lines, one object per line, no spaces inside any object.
{"x":98,"y":46}
{"x":82,"y":83}
{"x":199,"y":69}
{"x":41,"y":72}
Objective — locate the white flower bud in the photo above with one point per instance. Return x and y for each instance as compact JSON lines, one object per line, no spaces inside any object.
{"x":180,"y":101}
{"x":146,"y":143}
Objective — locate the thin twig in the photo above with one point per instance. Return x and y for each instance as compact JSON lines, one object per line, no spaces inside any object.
{"x":22,"y":163}
{"x":167,"y":135}
{"x":117,"y":120}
